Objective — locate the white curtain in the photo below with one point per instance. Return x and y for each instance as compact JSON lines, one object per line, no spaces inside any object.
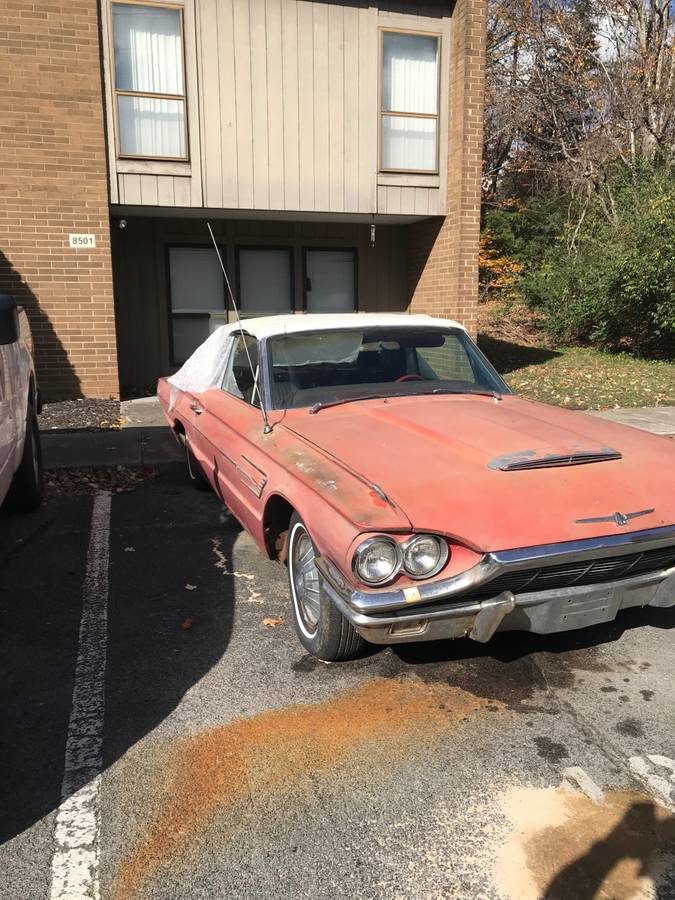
{"x":148,"y":58}
{"x":409,"y":85}
{"x":408,"y":143}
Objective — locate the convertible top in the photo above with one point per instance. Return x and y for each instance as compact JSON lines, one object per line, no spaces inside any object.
{"x":269,"y":326}
{"x":206,"y":367}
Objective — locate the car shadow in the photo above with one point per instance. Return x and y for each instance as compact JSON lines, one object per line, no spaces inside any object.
{"x":170,"y":619}
{"x":507,"y":356}
{"x":55,"y":373}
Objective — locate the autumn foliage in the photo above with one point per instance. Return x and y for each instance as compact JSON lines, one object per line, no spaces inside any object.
{"x":580,"y":123}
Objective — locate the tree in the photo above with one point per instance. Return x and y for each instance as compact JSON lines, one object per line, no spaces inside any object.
{"x":576,"y":86}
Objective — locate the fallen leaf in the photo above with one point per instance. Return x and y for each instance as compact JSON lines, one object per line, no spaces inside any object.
{"x":186,"y":625}
{"x":190,"y":587}
{"x":273,"y":621}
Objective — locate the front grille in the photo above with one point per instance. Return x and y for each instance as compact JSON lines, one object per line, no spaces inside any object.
{"x":564,"y":575}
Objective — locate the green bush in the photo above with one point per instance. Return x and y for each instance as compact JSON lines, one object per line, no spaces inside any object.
{"x":617,"y":288}
{"x":524,"y":230}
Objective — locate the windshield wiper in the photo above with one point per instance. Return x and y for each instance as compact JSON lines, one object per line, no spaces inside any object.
{"x":495,"y":394}
{"x":313,"y":410}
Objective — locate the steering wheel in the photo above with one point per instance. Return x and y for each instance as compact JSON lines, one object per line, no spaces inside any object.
{"x":411,"y":376}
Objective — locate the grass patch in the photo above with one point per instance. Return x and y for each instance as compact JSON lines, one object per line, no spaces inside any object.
{"x":579,"y":377}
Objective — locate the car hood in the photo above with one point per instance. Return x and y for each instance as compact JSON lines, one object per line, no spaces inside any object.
{"x":448,"y":463}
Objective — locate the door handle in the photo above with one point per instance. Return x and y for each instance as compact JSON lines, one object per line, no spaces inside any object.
{"x":196,"y":408}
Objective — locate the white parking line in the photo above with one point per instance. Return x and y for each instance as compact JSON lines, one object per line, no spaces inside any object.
{"x":578,"y":779}
{"x":75,"y":863}
{"x":658,"y":785}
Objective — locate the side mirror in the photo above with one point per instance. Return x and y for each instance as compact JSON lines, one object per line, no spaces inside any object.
{"x":9,"y":320}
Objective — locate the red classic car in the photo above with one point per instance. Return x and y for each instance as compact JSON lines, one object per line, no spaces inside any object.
{"x":412,"y":495}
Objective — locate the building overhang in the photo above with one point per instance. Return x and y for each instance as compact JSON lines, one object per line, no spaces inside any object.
{"x":181,"y":212}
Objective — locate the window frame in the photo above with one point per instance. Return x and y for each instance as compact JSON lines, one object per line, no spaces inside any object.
{"x":333,"y":249}
{"x":464,"y":338}
{"x":184,"y":245}
{"x":117,"y":92}
{"x":242,"y":334}
{"x":287,"y":248}
{"x":382,"y":112}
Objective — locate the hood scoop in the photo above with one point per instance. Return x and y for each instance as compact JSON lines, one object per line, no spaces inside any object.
{"x":549,"y":459}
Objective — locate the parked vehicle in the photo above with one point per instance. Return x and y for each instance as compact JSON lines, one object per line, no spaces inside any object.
{"x":21,"y":478}
{"x":412,"y":494}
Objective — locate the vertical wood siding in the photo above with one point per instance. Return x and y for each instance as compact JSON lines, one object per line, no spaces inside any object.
{"x":288,"y":109}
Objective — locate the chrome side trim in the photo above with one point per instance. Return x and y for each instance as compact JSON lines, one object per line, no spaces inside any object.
{"x":496,"y":563}
{"x":587,"y":548}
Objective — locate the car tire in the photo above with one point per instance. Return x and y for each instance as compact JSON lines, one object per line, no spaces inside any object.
{"x":27,"y":488}
{"x":195,"y":474}
{"x":320,"y":626}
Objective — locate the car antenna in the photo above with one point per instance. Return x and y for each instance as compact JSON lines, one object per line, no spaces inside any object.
{"x":267,"y":427}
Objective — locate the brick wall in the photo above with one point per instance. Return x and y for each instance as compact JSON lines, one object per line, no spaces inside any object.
{"x":443,"y":253}
{"x":52,"y":183}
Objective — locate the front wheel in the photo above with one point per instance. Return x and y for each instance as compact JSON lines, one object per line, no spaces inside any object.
{"x":321,"y":628}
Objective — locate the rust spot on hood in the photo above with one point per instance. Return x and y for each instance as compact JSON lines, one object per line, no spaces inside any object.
{"x":227,"y":767}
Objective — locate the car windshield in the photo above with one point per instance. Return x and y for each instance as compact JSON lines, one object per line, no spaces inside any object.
{"x":319,"y":368}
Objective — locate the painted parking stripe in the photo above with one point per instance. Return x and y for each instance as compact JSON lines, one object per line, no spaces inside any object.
{"x":75,"y":863}
{"x":578,"y":779}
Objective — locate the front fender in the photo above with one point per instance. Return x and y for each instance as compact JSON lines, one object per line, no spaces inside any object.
{"x":335,"y":503}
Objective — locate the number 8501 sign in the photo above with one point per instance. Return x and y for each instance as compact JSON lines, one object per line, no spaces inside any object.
{"x":79,"y":241}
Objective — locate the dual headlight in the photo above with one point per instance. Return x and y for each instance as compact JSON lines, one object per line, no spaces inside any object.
{"x":379,"y":559}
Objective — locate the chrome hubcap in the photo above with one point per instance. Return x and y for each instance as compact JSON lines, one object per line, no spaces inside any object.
{"x":306,"y":581}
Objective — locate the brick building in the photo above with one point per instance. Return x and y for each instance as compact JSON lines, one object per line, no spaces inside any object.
{"x":334,"y":145}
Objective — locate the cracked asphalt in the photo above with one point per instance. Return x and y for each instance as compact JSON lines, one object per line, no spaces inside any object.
{"x":234,"y":765}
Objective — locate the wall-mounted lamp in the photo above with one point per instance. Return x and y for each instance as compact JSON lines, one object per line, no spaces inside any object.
{"x":121,"y":224}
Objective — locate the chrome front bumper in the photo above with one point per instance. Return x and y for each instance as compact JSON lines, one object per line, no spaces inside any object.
{"x":444,"y":608}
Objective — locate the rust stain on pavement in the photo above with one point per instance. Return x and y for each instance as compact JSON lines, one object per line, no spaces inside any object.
{"x":229,"y":766}
{"x":564,"y":845}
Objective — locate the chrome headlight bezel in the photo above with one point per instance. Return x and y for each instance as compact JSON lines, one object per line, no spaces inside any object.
{"x":400,"y":550}
{"x":443,"y":554}
{"x":364,"y":545}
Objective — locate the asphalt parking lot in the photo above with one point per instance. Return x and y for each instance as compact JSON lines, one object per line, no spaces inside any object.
{"x":160,"y":741}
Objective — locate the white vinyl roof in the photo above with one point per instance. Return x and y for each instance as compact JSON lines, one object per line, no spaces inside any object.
{"x":206,"y":367}
{"x":268,"y":326}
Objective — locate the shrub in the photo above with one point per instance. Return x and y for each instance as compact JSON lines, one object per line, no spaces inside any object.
{"x":617,"y":288}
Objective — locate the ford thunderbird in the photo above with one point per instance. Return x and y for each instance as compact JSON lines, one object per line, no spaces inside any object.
{"x":411,"y":494}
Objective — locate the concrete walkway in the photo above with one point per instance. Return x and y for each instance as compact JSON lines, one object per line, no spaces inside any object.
{"x":658,"y":420}
{"x":145,"y":440}
{"x":145,"y":412}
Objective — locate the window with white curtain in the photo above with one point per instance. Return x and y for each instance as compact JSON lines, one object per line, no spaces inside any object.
{"x":148,"y":42}
{"x":409,"y":110}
